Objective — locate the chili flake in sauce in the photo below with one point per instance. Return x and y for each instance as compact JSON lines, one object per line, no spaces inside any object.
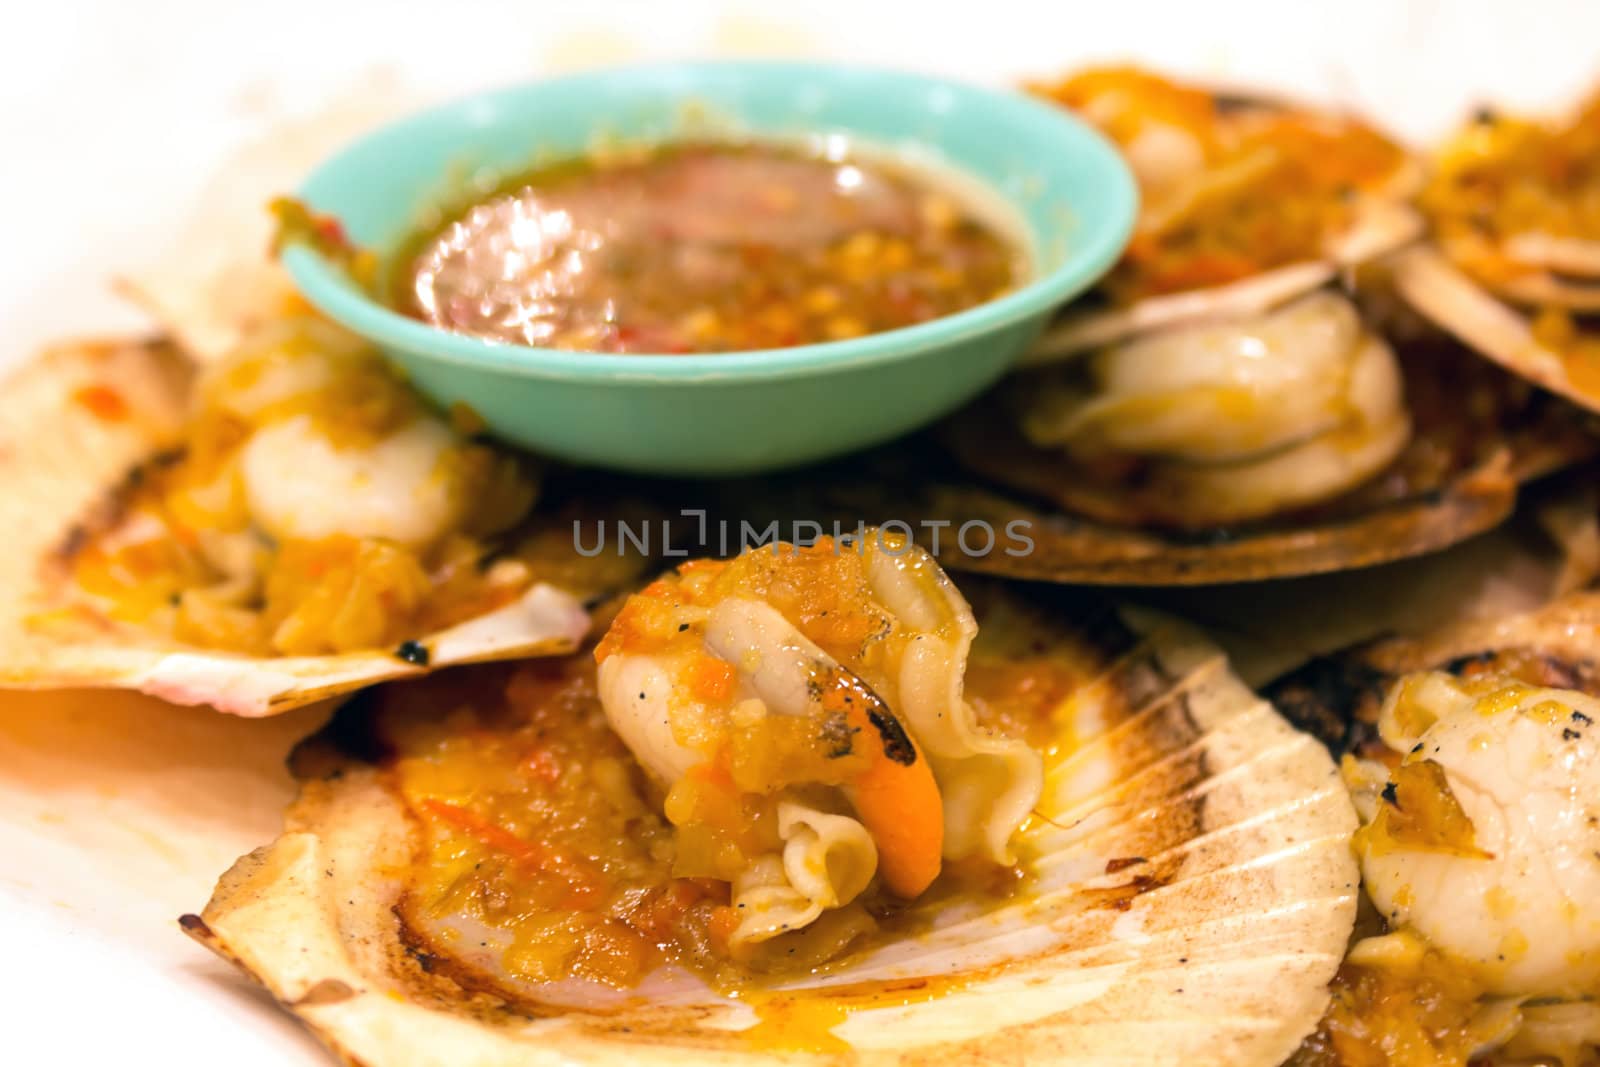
{"x":544,"y":857}
{"x":704,"y":247}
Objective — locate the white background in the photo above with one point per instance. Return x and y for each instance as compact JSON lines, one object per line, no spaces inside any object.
{"x":115,"y":114}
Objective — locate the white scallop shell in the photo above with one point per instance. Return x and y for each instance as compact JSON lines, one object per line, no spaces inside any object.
{"x":1381,"y":227}
{"x":1193,"y":890}
{"x":1441,"y":291}
{"x":59,"y":462}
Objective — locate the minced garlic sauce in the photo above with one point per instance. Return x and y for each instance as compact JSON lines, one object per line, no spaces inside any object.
{"x":548,"y":870}
{"x":704,"y":247}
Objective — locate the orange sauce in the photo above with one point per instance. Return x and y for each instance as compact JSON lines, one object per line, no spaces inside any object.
{"x":1426,"y":1015}
{"x":103,"y":402}
{"x":539,"y":827}
{"x":182,"y":556}
{"x":1234,"y":189}
{"x":1420,"y":812}
{"x":804,"y":1022}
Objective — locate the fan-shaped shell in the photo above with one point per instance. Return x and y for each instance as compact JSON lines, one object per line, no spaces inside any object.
{"x":1192,"y":893}
{"x":1382,"y":227}
{"x":75,"y":426}
{"x":1441,"y":291}
{"x":1338,"y":696}
{"x":1502,"y":438}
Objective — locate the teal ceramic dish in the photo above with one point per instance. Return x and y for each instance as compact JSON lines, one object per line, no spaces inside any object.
{"x":741,"y":412}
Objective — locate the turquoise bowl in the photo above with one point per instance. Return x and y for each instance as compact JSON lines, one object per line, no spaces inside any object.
{"x":740,"y":412}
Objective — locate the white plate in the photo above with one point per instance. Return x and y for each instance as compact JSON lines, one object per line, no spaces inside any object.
{"x":116,"y":814}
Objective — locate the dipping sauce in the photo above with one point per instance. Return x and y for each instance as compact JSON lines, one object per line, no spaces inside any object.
{"x":705,"y":247}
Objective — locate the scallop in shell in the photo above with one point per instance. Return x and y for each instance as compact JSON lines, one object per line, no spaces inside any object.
{"x":1186,"y":893}
{"x":1232,"y":415}
{"x":1212,"y":164}
{"x":1472,"y":759}
{"x":81,"y":426}
{"x":1513,"y":266}
{"x":1457,"y":476}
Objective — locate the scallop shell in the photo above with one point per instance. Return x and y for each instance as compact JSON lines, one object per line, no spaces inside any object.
{"x":75,"y":425}
{"x":1192,"y":894}
{"x":1501,"y":440}
{"x":1381,"y":226}
{"x":1565,"y":631}
{"x":1337,"y":697}
{"x":1267,"y":631}
{"x":1434,"y":286}
{"x":1054,"y":547}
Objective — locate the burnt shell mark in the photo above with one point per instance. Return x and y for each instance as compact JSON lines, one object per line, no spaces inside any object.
{"x":195,"y":927}
{"x":413,"y":652}
{"x":111,"y":507}
{"x":1121,"y":897}
{"x":1334,"y":699}
{"x":327,"y":991}
{"x":1391,"y":794}
{"x":426,"y":960}
{"x":1461,"y":664}
{"x":354,"y":732}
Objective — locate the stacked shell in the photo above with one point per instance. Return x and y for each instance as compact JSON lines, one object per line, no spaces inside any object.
{"x":1514,"y":265}
{"x":827,"y":804}
{"x":1231,"y":379}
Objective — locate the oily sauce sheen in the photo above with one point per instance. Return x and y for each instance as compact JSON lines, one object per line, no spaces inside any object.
{"x":545,"y":862}
{"x":705,"y":247}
